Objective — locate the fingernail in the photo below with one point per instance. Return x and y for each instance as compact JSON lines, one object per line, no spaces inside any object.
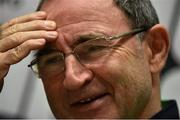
{"x":50,"y":24}
{"x":52,"y":34}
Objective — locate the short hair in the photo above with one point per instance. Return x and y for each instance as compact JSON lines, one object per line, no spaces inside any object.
{"x":140,"y":13}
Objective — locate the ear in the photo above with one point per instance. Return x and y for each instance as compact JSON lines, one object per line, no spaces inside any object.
{"x":157,"y":47}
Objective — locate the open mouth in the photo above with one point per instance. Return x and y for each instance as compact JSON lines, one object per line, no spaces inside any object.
{"x":88,"y":100}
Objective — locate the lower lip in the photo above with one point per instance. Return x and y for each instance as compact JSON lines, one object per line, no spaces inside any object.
{"x":92,"y":106}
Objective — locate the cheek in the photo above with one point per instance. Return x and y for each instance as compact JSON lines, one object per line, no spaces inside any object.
{"x":128,"y":75}
{"x":54,"y":93}
{"x":124,"y":64}
{"x":53,"y":84}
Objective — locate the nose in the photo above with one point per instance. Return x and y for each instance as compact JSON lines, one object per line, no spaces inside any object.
{"x":76,"y":74}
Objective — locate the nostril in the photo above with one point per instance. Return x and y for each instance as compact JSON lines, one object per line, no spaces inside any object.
{"x":69,"y":85}
{"x":87,"y":75}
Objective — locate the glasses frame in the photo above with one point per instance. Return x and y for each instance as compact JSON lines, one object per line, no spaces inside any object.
{"x":108,"y":38}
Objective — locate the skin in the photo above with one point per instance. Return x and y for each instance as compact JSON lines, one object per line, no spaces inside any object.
{"x":21,"y":35}
{"x":128,"y":78}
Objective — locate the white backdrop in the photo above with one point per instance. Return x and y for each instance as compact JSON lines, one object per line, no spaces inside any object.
{"x":23,"y":94}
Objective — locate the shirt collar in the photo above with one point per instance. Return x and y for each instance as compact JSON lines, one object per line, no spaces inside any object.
{"x":169,"y":111}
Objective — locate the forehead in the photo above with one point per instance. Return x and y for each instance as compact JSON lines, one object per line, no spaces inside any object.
{"x":65,"y":12}
{"x":59,"y":5}
{"x":78,"y":17}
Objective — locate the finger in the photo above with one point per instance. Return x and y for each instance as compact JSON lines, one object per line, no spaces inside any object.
{"x":20,"y":37}
{"x":29,"y":26}
{"x":26,"y":18}
{"x":15,"y":55}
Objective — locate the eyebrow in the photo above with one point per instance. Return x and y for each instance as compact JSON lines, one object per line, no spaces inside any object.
{"x":48,"y":49}
{"x":86,"y":37}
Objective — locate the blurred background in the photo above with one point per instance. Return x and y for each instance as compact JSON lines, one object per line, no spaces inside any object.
{"x":23,"y":94}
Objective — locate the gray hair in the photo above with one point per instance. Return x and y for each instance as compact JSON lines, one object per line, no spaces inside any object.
{"x":140,"y":13}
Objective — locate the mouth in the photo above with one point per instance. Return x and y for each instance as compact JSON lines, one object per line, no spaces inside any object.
{"x":89,"y":103}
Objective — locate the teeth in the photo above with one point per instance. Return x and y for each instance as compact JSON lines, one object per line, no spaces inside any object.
{"x":87,"y":100}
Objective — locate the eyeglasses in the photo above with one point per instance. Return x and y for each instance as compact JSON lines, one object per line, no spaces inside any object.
{"x":93,"y":51}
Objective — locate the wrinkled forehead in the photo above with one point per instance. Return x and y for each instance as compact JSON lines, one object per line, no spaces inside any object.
{"x":67,"y":11}
{"x":71,"y":5}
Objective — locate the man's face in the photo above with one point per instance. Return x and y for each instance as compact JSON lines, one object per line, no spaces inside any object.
{"x":120,"y":86}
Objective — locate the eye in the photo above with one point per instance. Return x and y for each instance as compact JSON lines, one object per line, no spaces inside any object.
{"x":95,"y":48}
{"x":53,"y":60}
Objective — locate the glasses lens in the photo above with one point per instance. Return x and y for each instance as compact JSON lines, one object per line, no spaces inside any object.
{"x":51,"y":63}
{"x":35,"y":68}
{"x":93,"y":51}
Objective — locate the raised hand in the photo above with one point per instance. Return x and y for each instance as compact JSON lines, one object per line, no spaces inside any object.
{"x":21,"y":35}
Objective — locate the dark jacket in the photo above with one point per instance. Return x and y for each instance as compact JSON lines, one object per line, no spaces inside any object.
{"x":169,"y":111}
